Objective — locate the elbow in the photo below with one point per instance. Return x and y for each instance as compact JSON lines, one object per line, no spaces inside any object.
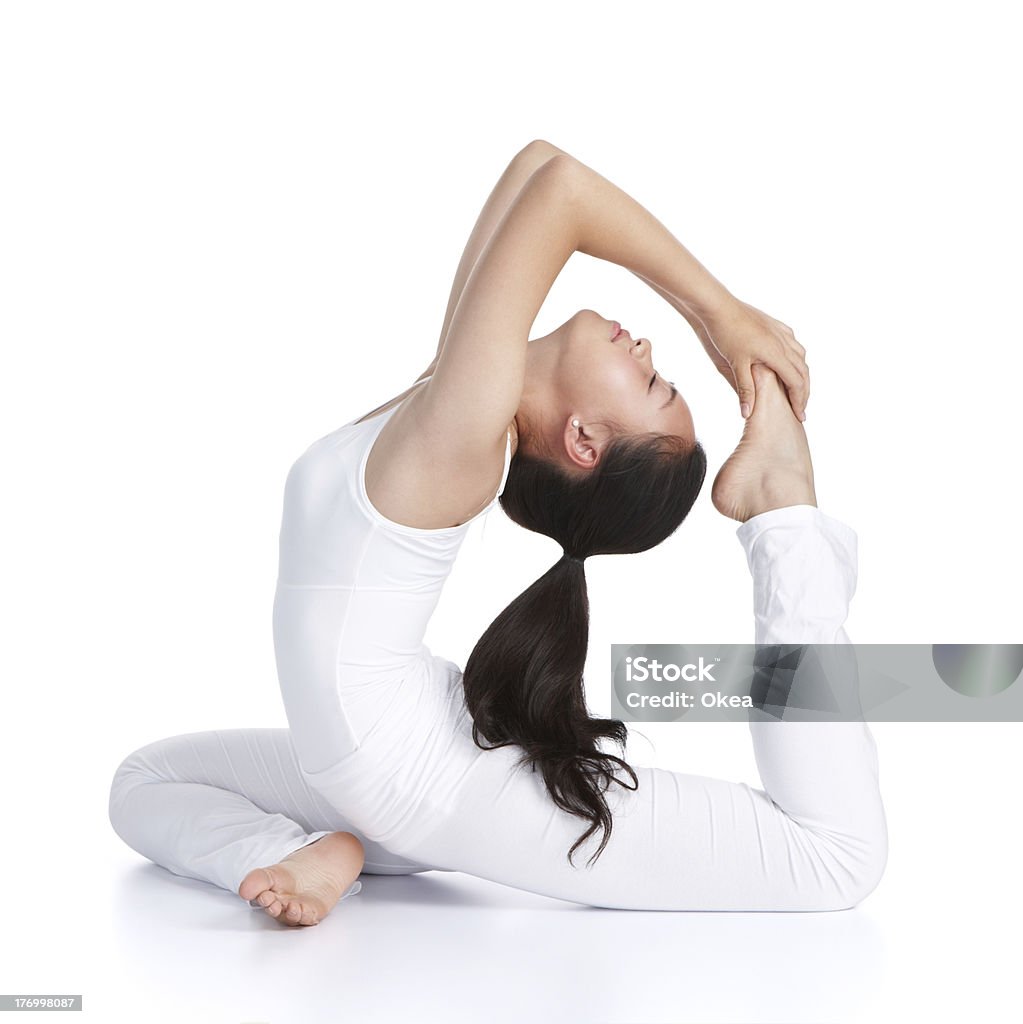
{"x":540,"y":159}
{"x":541,"y":149}
{"x":562,"y":174}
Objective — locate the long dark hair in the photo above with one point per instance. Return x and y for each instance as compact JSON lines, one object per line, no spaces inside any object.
{"x":523,"y":682}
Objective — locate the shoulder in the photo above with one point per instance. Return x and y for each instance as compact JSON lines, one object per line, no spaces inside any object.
{"x":418,"y":479}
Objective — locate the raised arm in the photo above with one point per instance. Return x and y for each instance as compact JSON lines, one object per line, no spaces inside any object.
{"x":528,"y":159}
{"x":734,"y":334}
{"x":477,"y":385}
{"x":564,"y":207}
{"x":437,"y":461}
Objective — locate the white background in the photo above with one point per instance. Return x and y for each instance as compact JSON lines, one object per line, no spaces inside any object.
{"x":228,"y":228}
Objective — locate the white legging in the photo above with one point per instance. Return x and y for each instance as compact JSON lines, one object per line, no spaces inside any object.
{"x":214,"y":805}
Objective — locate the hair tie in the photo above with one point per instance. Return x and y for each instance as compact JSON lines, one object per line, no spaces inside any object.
{"x":573,"y":558}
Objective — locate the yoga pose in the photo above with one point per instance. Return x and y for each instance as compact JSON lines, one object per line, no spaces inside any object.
{"x":397,"y":761}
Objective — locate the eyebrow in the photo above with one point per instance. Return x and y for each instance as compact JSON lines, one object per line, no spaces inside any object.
{"x":671,"y":397}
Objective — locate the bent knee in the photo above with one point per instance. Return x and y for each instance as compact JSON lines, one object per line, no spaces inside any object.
{"x":135,"y":770}
{"x":867,"y":878}
{"x":861,"y":872}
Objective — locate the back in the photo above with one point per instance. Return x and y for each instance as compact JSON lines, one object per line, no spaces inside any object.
{"x":355,"y":593}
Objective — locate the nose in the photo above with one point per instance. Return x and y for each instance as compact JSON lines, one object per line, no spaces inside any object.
{"x":641,"y":348}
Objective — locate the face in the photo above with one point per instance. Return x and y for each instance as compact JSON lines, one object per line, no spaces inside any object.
{"x":592,"y":371}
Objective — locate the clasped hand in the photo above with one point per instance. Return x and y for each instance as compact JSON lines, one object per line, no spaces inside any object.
{"x":739,"y":335}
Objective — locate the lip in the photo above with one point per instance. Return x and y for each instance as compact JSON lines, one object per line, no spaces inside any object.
{"x":619,"y":330}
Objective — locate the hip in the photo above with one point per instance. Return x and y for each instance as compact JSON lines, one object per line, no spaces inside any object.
{"x":382,"y":740}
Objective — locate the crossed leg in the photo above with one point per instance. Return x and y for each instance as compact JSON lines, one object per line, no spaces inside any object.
{"x":213,"y":805}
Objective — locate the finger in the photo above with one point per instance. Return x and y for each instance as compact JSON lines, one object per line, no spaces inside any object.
{"x":744,"y":388}
{"x":797,"y":384}
{"x":792,"y":347}
{"x":796,"y":378}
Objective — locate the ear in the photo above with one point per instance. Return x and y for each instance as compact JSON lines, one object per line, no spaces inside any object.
{"x":581,"y":448}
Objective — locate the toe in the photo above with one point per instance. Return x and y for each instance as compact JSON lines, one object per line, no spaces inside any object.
{"x":254,"y":883}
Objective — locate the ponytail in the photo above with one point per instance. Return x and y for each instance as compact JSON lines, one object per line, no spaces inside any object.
{"x":523,"y":681}
{"x":523,"y":685}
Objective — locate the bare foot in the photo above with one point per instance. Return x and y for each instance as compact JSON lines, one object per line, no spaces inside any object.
{"x":306,"y":885}
{"x":771,"y":466}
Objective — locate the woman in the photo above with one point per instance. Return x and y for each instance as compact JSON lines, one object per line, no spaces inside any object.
{"x":396,"y":761}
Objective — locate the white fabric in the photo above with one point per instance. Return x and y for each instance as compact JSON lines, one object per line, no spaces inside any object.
{"x":380,"y":742}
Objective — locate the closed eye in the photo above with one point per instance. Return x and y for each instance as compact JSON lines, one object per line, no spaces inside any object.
{"x":671,"y":397}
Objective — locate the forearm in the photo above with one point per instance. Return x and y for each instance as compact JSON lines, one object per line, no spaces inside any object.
{"x":612,"y":226}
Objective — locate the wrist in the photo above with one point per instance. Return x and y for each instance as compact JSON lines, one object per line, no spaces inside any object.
{"x":713,"y":307}
{"x":716,"y":304}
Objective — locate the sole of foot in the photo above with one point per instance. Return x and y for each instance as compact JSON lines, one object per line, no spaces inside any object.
{"x":771,"y":466}
{"x":303,"y":888}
